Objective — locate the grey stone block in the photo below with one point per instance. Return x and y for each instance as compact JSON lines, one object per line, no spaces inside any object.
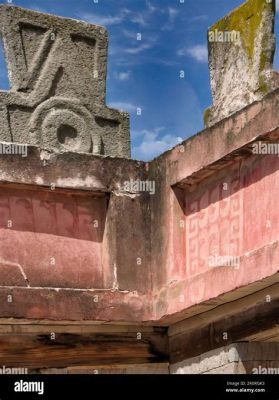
{"x":57,"y":70}
{"x":241,"y":49}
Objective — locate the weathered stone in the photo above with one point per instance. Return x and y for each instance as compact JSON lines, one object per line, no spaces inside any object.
{"x":237,"y":358}
{"x":241,"y":49}
{"x":57,"y":70}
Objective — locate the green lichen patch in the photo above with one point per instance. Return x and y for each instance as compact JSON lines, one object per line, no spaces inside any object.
{"x":263,"y":87}
{"x":247,"y":20}
{"x":206,"y":116}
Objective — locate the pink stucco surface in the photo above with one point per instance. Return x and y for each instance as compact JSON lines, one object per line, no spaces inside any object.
{"x":227,"y":237}
{"x":232,"y":213}
{"x":146,"y":256}
{"x":51,"y":240}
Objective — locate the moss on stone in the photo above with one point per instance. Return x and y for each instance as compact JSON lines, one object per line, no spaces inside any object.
{"x":263,"y":88}
{"x":247,"y":20}
{"x":264,"y":59}
{"x":206,"y":116}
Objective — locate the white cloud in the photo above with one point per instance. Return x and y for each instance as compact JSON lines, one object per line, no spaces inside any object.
{"x":172,"y":14}
{"x":198,"y":53}
{"x":123,"y":76}
{"x":152,"y":144}
{"x":139,"y":49}
{"x":182,"y":52}
{"x":150,"y":6}
{"x":129,"y":34}
{"x":143,"y":18}
{"x":142,"y":45}
{"x":199,"y":18}
{"x":277,"y":5}
{"x":104,"y":20}
{"x":124,"y":106}
{"x":139,"y":19}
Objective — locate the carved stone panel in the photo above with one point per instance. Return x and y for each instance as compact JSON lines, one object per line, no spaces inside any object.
{"x":57,"y":71}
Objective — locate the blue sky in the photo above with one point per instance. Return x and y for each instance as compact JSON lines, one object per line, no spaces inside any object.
{"x":146,"y":73}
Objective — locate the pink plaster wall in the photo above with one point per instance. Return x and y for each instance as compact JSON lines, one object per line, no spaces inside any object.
{"x":234,"y":213}
{"x":54,"y":239}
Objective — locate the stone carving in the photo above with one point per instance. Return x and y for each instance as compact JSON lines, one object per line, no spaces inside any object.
{"x":57,"y":71}
{"x":241,"y":49}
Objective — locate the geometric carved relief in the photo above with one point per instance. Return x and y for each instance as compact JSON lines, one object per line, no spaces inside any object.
{"x":232,"y":215}
{"x":65,"y":123}
{"x":57,"y":70}
{"x":214,"y":222}
{"x":38,"y":227}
